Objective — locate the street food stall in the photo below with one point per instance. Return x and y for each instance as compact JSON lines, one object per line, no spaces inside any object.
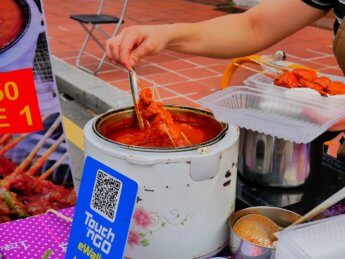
{"x":253,"y":172}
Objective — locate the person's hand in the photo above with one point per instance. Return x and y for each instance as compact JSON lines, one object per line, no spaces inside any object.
{"x":338,"y":126}
{"x":136,"y":42}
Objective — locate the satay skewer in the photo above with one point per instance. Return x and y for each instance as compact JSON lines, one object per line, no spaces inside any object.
{"x":323,"y":93}
{"x":256,"y":71}
{"x":13,"y":143}
{"x":48,"y":172}
{"x":40,"y":162}
{"x":159,"y":98}
{"x":38,"y":146}
{"x":285,"y":69}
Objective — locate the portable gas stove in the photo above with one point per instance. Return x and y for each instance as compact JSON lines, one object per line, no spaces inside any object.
{"x":328,"y":180}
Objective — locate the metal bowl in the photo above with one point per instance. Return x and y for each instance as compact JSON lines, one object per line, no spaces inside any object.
{"x":241,"y":248}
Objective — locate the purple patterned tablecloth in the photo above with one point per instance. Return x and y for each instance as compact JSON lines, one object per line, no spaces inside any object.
{"x":34,"y":237}
{"x":47,"y":234}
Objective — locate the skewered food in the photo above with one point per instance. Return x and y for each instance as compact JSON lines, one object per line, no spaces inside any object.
{"x":23,"y":195}
{"x":293,"y":76}
{"x":162,"y":129}
{"x":301,"y":77}
{"x":23,"y":191}
{"x":288,"y":80}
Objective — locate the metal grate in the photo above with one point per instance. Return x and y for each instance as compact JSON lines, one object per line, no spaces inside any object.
{"x":42,"y":68}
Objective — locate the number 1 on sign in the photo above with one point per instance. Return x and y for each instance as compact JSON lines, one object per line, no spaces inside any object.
{"x":26,"y":111}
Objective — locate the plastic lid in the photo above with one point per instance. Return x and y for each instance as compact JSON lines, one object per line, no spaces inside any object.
{"x":298,"y":116}
{"x":318,"y":239}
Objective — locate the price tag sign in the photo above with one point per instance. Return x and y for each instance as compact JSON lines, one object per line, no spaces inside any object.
{"x":19,"y":109}
{"x":103,"y":213}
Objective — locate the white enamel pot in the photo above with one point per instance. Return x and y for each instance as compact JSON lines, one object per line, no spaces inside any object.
{"x":185,"y":195}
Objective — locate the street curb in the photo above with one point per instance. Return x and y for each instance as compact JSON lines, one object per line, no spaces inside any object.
{"x":90,"y":91}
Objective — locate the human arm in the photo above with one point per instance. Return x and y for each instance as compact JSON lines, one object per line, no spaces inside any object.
{"x":223,"y":37}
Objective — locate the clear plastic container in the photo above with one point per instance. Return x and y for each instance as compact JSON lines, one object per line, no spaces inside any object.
{"x":295,"y":115}
{"x":318,"y":239}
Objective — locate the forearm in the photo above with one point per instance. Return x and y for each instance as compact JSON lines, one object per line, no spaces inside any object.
{"x":221,"y":37}
{"x":224,"y":37}
{"x":242,"y":34}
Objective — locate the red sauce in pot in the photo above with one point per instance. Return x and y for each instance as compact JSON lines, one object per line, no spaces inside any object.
{"x":195,"y":133}
{"x":162,"y":129}
{"x":11,"y":22}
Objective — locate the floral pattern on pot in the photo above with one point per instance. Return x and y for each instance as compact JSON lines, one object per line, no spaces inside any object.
{"x":145,"y":224}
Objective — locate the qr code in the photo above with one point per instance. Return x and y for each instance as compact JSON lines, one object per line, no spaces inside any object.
{"x":106,"y":195}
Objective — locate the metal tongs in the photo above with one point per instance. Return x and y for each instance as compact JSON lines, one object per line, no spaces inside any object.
{"x":135,"y":95}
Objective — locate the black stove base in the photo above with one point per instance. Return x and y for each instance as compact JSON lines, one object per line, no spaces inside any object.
{"x":321,"y":185}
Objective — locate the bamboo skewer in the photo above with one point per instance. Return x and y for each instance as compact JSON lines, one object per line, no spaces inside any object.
{"x":4,"y":138}
{"x":270,"y":65}
{"x":256,"y":71}
{"x":156,"y":91}
{"x":39,"y":163}
{"x":13,"y":143}
{"x":185,"y":138}
{"x":48,"y":172}
{"x":168,"y":133}
{"x":60,"y":215}
{"x":38,"y":146}
{"x":139,"y":83}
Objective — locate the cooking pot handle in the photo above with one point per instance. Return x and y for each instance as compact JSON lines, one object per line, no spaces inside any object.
{"x":205,"y":166}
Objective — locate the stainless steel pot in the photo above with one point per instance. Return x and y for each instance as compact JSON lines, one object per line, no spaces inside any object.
{"x":276,"y":162}
{"x":242,"y":249}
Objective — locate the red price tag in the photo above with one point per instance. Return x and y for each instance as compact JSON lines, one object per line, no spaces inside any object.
{"x":19,"y":109}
